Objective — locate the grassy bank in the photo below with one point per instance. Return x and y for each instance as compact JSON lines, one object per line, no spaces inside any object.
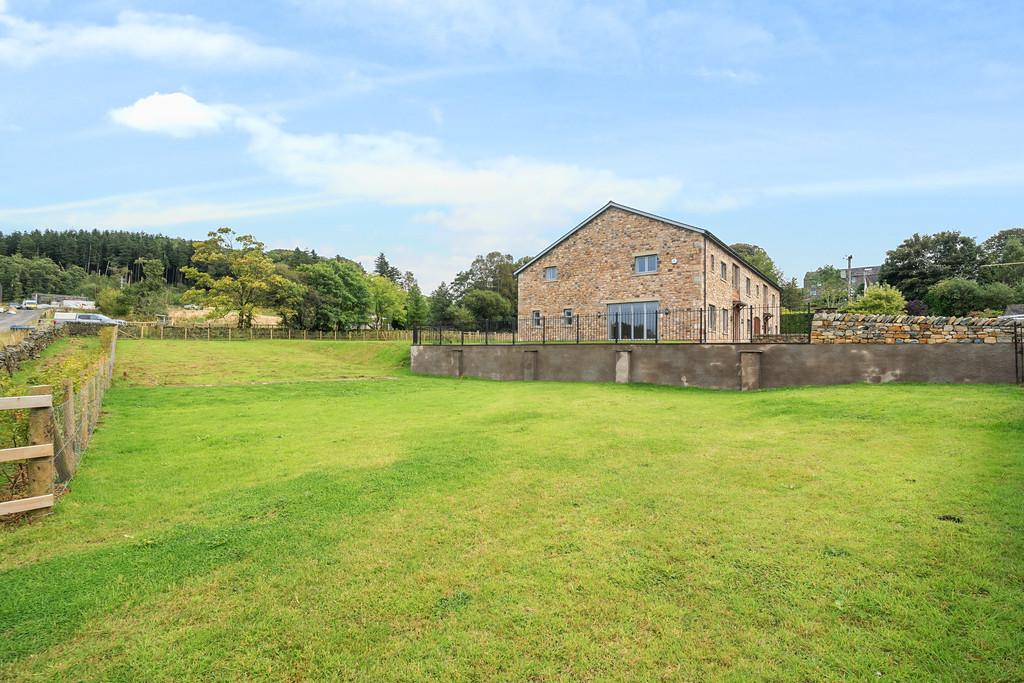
{"x":429,"y":528}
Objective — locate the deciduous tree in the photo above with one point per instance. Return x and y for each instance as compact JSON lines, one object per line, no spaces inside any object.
{"x":231,"y":273}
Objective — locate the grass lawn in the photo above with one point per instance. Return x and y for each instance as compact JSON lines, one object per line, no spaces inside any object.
{"x":430,"y":528}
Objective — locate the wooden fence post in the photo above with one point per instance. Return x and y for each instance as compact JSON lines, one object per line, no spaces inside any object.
{"x":40,"y":470}
{"x":70,"y":443}
{"x":161,"y":331}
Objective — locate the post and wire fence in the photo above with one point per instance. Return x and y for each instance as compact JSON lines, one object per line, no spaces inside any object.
{"x":60,"y":421}
{"x":636,"y":324}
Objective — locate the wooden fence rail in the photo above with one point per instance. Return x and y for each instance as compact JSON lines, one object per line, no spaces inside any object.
{"x":38,"y":455}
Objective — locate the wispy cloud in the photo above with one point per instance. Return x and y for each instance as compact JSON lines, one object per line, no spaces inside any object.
{"x":1000,"y":175}
{"x":181,"y":39}
{"x":608,"y":35}
{"x":504,"y":196}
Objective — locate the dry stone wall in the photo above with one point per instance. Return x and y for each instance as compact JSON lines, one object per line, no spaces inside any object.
{"x":28,"y":348}
{"x":849,"y":328}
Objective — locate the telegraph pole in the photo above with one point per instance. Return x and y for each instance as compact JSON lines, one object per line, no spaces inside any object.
{"x":849,"y":277}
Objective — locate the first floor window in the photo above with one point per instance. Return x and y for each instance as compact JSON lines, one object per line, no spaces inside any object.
{"x":567,"y":316}
{"x":551,"y":273}
{"x":633,"y":320}
{"x":646,"y":264}
{"x":535,"y":315}
{"x":725,"y":321}
{"x":712,"y":317}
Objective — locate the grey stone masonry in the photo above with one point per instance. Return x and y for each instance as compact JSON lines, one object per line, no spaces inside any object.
{"x":852,"y":328}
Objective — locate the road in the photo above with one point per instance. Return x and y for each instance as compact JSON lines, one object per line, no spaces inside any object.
{"x":19,"y":318}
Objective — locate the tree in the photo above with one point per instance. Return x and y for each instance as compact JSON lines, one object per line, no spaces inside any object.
{"x":417,"y":307}
{"x":881,"y":299}
{"x":924,"y":260}
{"x":492,"y":272}
{"x":386,"y":270}
{"x":231,"y":273}
{"x":758,"y":258}
{"x":792,"y":295}
{"x":338,"y":295}
{"x":387,"y":302}
{"x":830,"y":286}
{"x":486,"y":305}
{"x":1006,"y":246}
{"x":440,"y":305}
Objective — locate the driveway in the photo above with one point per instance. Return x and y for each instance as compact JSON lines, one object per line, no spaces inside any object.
{"x":19,"y":318}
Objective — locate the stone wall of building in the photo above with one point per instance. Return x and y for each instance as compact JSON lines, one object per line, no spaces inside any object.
{"x":849,"y":328}
{"x":596,"y":268}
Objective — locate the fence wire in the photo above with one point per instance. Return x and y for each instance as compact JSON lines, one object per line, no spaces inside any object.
{"x":75,"y":418}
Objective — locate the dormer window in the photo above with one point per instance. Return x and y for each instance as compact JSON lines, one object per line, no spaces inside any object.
{"x":551,"y":273}
{"x":643,"y":265}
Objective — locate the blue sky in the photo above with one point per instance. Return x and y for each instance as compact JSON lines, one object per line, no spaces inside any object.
{"x":438,"y":130}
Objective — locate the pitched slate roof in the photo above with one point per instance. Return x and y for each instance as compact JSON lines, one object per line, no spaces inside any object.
{"x":669,"y":221}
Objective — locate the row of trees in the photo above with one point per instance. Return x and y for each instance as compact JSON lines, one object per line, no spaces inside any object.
{"x":102,"y":252}
{"x":235,"y":274}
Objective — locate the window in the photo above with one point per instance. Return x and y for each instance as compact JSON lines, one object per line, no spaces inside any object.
{"x":712,"y":263}
{"x":633,"y":321}
{"x":645,"y":264}
{"x":735,"y":276}
{"x":567,"y":316}
{"x":773,"y":301}
{"x":712,"y":317}
{"x":535,"y":315}
{"x":725,"y":270}
{"x":748,"y":286}
{"x":551,"y":273}
{"x":725,"y":321}
{"x":757,"y":290}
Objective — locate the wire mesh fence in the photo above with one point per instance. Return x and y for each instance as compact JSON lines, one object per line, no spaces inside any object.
{"x":76,"y":414}
{"x":749,"y":324}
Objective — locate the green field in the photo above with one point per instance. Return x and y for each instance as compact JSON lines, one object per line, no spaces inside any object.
{"x":414,"y":528}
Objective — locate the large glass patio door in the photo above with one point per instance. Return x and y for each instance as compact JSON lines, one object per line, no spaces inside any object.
{"x":633,"y":321}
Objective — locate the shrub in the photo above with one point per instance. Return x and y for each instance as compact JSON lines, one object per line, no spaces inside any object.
{"x":955,"y":296}
{"x":883,"y":299}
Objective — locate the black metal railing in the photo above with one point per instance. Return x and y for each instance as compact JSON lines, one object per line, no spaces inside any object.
{"x":746,"y":324}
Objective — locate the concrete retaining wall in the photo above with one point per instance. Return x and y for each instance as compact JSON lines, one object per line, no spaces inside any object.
{"x":723,"y":366}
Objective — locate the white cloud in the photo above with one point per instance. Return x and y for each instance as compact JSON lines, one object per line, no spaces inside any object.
{"x":180,"y":39}
{"x":175,"y":114}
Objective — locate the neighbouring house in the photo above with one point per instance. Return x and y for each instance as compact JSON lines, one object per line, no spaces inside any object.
{"x":861,"y":276}
{"x":646,"y":277}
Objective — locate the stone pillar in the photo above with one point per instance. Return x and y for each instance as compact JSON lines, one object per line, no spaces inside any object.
{"x":750,"y":370}
{"x":529,"y":365}
{"x":455,"y":362}
{"x":622,"y":366}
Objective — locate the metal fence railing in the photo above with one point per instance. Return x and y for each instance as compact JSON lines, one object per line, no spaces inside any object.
{"x":749,"y":324}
